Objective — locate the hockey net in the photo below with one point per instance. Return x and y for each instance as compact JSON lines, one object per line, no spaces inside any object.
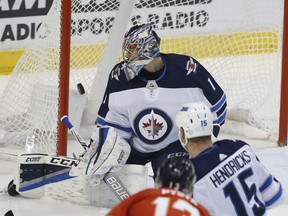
{"x":239,"y":42}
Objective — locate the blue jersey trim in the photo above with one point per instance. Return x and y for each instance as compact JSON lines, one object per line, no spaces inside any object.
{"x":164,"y":71}
{"x":220,"y":119}
{"x":219,"y":104}
{"x":53,"y":179}
{"x":102,"y":122}
{"x":266,"y":184}
{"x":139,"y":69}
{"x":275,"y":198}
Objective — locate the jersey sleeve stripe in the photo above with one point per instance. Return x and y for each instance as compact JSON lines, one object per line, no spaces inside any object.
{"x":274,"y":198}
{"x":220,"y":118}
{"x":266,"y":184}
{"x":219,"y":104}
{"x":102,"y":122}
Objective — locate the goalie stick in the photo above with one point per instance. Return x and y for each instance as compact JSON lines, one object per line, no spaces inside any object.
{"x":70,"y":127}
{"x":111,"y":179}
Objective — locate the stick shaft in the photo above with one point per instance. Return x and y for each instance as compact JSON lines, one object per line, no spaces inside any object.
{"x":70,"y":127}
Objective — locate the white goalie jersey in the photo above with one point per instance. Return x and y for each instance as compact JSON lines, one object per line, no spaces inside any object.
{"x":232,"y":181}
{"x":143,"y":111}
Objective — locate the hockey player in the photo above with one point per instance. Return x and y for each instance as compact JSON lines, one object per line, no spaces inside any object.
{"x":230,"y":178}
{"x":174,"y":180}
{"x":142,"y":96}
{"x":145,"y":91}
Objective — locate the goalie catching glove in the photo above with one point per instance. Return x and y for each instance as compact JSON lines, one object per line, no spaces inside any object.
{"x":107,"y":153}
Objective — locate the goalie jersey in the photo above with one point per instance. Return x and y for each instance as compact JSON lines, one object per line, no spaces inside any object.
{"x":143,"y":111}
{"x":232,"y":181}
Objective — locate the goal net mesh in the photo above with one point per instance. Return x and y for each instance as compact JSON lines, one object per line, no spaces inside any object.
{"x":239,"y":42}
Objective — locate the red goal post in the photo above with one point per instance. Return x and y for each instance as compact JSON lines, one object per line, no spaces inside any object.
{"x":64,"y":76}
{"x":241,"y":48}
{"x":283,"y":119}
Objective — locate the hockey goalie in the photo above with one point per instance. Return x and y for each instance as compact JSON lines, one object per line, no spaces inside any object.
{"x":93,"y":178}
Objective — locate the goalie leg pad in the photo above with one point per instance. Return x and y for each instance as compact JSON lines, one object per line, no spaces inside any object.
{"x":135,"y":178}
{"x":115,"y":160}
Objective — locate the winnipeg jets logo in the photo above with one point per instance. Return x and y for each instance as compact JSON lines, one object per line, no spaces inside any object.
{"x":152,"y":125}
{"x":191,"y":66}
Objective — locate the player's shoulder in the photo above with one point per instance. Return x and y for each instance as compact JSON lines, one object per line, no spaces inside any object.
{"x":231,"y":143}
{"x":175,"y":55}
{"x":230,"y":146}
{"x":117,"y":73}
{"x":183,"y":64}
{"x":177,"y":58}
{"x":117,"y":80}
{"x":219,"y":154}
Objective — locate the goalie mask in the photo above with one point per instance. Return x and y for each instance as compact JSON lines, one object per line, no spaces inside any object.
{"x":177,"y":173}
{"x":141,"y":45}
{"x":196,"y":120}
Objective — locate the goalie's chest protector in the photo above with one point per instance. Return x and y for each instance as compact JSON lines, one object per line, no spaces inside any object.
{"x":148,"y":107}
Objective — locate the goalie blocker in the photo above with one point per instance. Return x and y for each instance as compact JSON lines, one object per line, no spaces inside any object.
{"x":35,"y":171}
{"x":107,"y":153}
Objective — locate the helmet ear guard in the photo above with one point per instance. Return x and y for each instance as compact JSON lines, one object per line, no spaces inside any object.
{"x":196,"y":120}
{"x":141,"y":45}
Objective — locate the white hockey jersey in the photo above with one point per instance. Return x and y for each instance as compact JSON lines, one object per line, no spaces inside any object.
{"x":232,"y":181}
{"x":143,"y":111}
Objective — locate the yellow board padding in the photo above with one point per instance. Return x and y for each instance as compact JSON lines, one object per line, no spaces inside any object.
{"x":8,"y":60}
{"x":226,"y":44}
{"x":86,"y":55}
{"x":198,"y":46}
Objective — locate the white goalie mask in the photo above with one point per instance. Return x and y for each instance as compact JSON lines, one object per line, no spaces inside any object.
{"x":196,"y":120}
{"x":141,"y":45}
